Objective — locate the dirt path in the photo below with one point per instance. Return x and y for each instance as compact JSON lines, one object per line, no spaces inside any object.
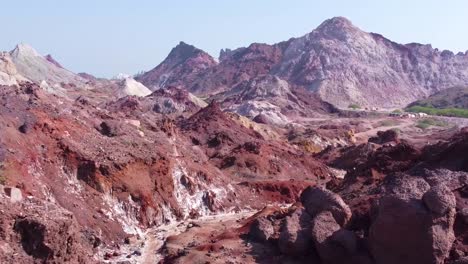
{"x":404,"y":123}
{"x":156,"y":237}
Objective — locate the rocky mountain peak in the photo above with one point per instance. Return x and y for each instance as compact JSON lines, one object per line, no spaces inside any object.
{"x":183,"y":59}
{"x":184,"y":51}
{"x":337,"y":27}
{"x":32,"y":66}
{"x":224,"y":53}
{"x":24,"y":50}
{"x":338,"y":21}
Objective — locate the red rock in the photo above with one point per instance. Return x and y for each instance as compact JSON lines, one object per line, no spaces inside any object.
{"x":295,"y":238}
{"x":333,"y":244}
{"x":403,"y":224}
{"x":317,"y":200}
{"x":439,"y":200}
{"x":385,"y":137}
{"x":261,"y":229}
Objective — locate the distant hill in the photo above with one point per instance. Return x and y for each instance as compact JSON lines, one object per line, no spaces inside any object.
{"x":449,"y":102}
{"x":456,"y":97}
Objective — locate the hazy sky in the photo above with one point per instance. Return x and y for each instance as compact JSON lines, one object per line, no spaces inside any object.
{"x":106,"y":37}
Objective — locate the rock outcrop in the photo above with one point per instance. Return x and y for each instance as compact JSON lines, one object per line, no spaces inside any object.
{"x":294,"y":238}
{"x":333,"y":244}
{"x":261,"y":230}
{"x":384,"y":137}
{"x":37,"y":232}
{"x":317,"y":200}
{"x":413,"y":216}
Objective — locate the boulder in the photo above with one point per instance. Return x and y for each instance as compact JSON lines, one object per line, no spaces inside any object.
{"x":295,"y":237}
{"x":14,"y":194}
{"x":133,"y":122}
{"x":28,"y":125}
{"x":261,"y":119}
{"x":346,"y":240}
{"x":383,"y":137}
{"x":405,"y":186}
{"x":317,"y":200}
{"x":323,"y":227}
{"x":333,"y":243}
{"x":131,"y":240}
{"x":439,"y":199}
{"x":452,"y":179}
{"x":411,"y":229}
{"x":111,"y":128}
{"x":53,"y":239}
{"x":261,"y":229}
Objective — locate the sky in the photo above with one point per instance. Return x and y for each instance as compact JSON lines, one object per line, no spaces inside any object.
{"x":107,"y":37}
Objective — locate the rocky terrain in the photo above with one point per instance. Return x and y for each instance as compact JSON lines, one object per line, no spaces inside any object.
{"x":249,"y":159}
{"x":123,"y":166}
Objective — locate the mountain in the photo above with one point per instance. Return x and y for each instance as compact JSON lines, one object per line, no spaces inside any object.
{"x":455,"y":97}
{"x":212,"y":77}
{"x":24,"y":63}
{"x":347,"y":65}
{"x":340,"y":62}
{"x":182,"y":66}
